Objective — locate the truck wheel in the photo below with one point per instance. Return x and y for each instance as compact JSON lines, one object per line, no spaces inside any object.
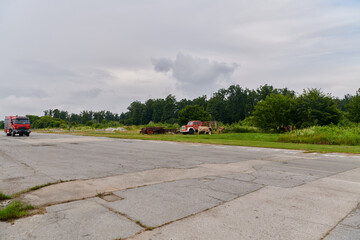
{"x":21,"y":134}
{"x":8,"y":134}
{"x":13,"y":133}
{"x":27,"y":134}
{"x":191,"y":131}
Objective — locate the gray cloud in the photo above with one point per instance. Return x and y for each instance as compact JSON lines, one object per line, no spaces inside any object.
{"x":22,"y":92}
{"x":54,"y":53}
{"x":43,"y":68}
{"x":162,"y":64}
{"x":86,"y":94}
{"x":196,"y":75}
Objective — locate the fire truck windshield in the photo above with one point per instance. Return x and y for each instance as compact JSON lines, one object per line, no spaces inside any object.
{"x":22,"y":121}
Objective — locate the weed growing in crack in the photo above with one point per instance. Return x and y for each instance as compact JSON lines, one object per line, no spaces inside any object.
{"x":143,"y":226}
{"x":39,"y":186}
{"x":4,"y":196}
{"x":100,"y":195}
{"x":15,"y":210}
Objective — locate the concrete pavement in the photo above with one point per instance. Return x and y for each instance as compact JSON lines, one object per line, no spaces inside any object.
{"x":163,"y":190}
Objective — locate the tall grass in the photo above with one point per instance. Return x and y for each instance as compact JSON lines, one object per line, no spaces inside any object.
{"x":166,"y":125}
{"x":241,"y":128}
{"x":332,"y":135}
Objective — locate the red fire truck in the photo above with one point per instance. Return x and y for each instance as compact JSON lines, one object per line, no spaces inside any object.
{"x":193,"y":126}
{"x":17,"y":125}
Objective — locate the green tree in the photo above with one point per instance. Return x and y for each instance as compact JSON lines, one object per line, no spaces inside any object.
{"x":193,"y":112}
{"x":201,"y":101}
{"x":342,"y":103}
{"x":136,"y":110}
{"x":169,"y":109}
{"x":313,"y":107}
{"x":56,"y":113}
{"x":33,"y":118}
{"x":216,"y":106}
{"x":158,"y":109}
{"x":353,"y":107}
{"x":273,"y":113}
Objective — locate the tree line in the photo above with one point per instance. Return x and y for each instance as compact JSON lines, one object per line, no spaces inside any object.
{"x":226,"y":105}
{"x":266,"y":107}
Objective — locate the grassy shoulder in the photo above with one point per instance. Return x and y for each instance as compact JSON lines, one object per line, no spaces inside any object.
{"x":265,"y":140}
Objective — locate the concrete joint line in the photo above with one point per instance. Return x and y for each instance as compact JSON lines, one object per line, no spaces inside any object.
{"x":83,"y":189}
{"x":353,"y":210}
{"x":191,"y":215}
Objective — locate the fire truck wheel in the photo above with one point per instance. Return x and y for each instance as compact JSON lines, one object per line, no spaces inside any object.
{"x":191,"y":131}
{"x":21,"y":134}
{"x":27,"y":134}
{"x":13,"y":133}
{"x":8,"y":134}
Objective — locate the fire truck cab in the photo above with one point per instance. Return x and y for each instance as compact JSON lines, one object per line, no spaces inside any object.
{"x":17,"y":125}
{"x":193,"y":126}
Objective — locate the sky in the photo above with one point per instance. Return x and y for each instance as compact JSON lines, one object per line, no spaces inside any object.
{"x":96,"y":55}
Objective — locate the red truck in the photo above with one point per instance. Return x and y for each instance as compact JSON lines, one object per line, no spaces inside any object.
{"x":17,"y":125}
{"x":193,"y":126}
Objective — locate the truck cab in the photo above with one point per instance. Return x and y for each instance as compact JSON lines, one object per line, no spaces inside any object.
{"x":17,"y":125}
{"x":193,"y":126}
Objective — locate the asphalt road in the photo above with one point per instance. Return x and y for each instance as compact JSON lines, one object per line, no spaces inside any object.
{"x":164,"y":190}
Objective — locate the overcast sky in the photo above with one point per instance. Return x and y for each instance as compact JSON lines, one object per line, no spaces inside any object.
{"x":104,"y":54}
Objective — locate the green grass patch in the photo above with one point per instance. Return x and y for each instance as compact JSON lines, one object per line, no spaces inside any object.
{"x":15,"y":210}
{"x":4,"y":196}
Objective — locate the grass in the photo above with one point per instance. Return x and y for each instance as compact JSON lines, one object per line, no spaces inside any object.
{"x":250,"y":139}
{"x":34,"y":188}
{"x":329,"y":135}
{"x":15,"y":210}
{"x":4,"y":196}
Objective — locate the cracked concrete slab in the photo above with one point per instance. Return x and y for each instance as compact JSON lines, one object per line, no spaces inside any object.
{"x":353,"y":220}
{"x":158,"y":204}
{"x":75,"y":190}
{"x":67,"y":157}
{"x":305,"y":194}
{"x":304,"y":212}
{"x":348,"y":229}
{"x":342,"y":232}
{"x":84,"y":219}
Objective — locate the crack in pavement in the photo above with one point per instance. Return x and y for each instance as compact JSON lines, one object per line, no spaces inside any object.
{"x":341,"y":220}
{"x":190,"y":215}
{"x":65,"y":192}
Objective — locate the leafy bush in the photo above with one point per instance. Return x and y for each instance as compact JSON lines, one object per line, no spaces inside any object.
{"x":240,"y":128}
{"x":273,"y":113}
{"x":166,"y":125}
{"x":46,"y":122}
{"x":313,"y":107}
{"x":332,"y":135}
